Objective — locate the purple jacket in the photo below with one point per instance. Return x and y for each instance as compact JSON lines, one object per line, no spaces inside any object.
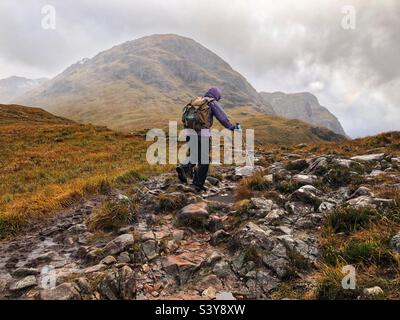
{"x":217,"y":111}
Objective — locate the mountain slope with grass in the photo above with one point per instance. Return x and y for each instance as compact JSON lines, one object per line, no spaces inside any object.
{"x":283,"y":231}
{"x":15,"y":114}
{"x":303,"y":106}
{"x":280,"y":130}
{"x":48,"y":162}
{"x":142,"y":83}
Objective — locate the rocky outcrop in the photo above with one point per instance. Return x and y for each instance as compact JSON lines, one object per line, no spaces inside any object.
{"x":118,"y":285}
{"x":303,"y":106}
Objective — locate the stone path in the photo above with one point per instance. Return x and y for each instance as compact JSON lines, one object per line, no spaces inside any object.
{"x":212,"y":248}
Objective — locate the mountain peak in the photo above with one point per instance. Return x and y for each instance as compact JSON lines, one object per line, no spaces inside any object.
{"x":303,"y":106}
{"x":129,"y":85}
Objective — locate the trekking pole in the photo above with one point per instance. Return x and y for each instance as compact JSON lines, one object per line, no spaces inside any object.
{"x":249,"y":158}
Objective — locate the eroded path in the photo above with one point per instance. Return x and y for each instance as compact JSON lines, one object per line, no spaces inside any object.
{"x":184,"y":245}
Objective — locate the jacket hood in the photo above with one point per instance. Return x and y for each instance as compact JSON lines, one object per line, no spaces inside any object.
{"x":215,"y":93}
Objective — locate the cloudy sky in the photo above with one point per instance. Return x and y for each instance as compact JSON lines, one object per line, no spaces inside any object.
{"x":286,"y":45}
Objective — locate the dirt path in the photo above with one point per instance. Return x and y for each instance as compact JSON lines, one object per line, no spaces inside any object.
{"x":62,"y":248}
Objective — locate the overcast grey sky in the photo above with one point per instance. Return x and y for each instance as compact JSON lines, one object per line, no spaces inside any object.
{"x":286,"y":45}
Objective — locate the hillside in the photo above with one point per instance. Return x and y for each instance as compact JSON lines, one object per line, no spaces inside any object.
{"x":47,"y":159}
{"x":15,"y":114}
{"x":142,"y":83}
{"x":13,"y":87}
{"x":47,"y":163}
{"x":284,"y":231}
{"x":303,"y":106}
{"x":279,"y":130}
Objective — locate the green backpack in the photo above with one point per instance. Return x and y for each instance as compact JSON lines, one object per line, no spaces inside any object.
{"x":196,"y":114}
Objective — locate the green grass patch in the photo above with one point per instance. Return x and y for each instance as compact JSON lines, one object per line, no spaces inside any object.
{"x":130,"y":177}
{"x":350,"y":219}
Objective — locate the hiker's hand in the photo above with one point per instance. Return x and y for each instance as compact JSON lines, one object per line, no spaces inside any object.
{"x":237,"y":127}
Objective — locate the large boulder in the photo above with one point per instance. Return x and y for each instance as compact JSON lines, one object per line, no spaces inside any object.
{"x":254,"y":238}
{"x":318,"y":166}
{"x":348,"y":164}
{"x":277,"y":260}
{"x":369,"y":157}
{"x":290,"y":254}
{"x":119,"y":244}
{"x":193,"y":215}
{"x":361,"y":202}
{"x":150,"y":249}
{"x":368,"y":201}
{"x":308,"y":194}
{"x":118,"y":285}
{"x":261,"y":279}
{"x":297,"y":165}
{"x":27,"y":282}
{"x":302,"y":179}
{"x":244,"y":171}
{"x":179,"y":267}
{"x":299,"y":208}
{"x":260,"y":207}
{"x":274,"y":216}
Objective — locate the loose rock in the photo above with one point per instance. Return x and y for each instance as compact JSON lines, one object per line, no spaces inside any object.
{"x":65,"y":291}
{"x":27,"y":282}
{"x":119,"y":244}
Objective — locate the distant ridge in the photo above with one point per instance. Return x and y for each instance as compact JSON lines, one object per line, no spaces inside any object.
{"x":20,"y":114}
{"x":303,"y":106}
{"x":13,"y":87}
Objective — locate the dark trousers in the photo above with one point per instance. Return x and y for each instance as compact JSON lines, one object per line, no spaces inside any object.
{"x":199,"y":165}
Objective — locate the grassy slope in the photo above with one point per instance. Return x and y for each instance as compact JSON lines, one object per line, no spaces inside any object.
{"x":273,"y":129}
{"x":267,"y":129}
{"x":388,"y":142}
{"x":49,"y":162}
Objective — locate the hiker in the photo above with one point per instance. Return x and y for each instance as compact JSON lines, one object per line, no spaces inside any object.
{"x":198,"y":115}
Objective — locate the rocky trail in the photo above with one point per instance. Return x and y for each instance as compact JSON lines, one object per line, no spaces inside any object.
{"x":184,"y":245}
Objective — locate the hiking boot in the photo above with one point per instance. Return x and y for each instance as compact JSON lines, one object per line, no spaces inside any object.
{"x":199,"y":188}
{"x":181,"y":174}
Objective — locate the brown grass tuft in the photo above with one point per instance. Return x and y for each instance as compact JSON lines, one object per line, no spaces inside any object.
{"x":112,"y":215}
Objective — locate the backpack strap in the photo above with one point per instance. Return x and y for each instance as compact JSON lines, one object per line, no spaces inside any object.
{"x":196,"y":102}
{"x":208,"y":99}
